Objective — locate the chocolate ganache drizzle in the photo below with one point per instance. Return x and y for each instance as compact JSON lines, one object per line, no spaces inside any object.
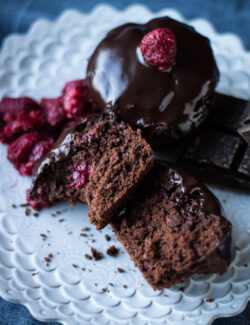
{"x":167,"y":103}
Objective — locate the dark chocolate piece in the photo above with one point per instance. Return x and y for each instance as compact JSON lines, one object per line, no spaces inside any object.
{"x":217,"y":153}
{"x":165,"y":104}
{"x":174,"y":227}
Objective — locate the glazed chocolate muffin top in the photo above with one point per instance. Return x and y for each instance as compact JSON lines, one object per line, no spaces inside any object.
{"x":170,"y":102}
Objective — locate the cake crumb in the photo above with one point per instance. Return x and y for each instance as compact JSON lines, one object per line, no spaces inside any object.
{"x":46,"y":259}
{"x":125,"y":286}
{"x":97,"y":255}
{"x":74,"y":265}
{"x":210,"y":300}
{"x":53,"y":214}
{"x":83,"y":268}
{"x":113,"y":251}
{"x":93,"y":241}
{"x":43,"y":236}
{"x":83,"y":235}
{"x":95,"y":284}
{"x":104,"y":289}
{"x":35,"y":273}
{"x":111,"y":284}
{"x":27,"y":212}
{"x":23,"y":205}
{"x":36,"y":214}
{"x":85,"y":229}
{"x":14,"y":206}
{"x":107,"y":237}
{"x":120,"y":270}
{"x":88,"y":257}
{"x":61,"y":220}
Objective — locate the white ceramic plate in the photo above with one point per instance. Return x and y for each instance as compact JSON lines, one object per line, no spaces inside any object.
{"x":38,"y":64}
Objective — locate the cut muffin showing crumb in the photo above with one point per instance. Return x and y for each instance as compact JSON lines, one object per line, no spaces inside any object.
{"x":174,"y":227}
{"x":99,"y":162}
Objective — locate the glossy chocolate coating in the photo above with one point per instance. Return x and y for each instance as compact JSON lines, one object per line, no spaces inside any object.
{"x":190,"y":185}
{"x":169,"y":103}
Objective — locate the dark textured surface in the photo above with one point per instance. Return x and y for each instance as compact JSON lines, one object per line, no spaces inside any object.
{"x":16,"y":17}
{"x":216,"y":152}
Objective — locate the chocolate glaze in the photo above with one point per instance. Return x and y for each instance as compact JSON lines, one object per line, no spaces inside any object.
{"x":169,"y":102}
{"x":190,"y":185}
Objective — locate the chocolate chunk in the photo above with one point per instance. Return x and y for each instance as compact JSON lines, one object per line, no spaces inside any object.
{"x":227,"y":113}
{"x":217,"y":153}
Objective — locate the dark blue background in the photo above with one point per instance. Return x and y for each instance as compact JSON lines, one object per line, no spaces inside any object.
{"x":17,"y":15}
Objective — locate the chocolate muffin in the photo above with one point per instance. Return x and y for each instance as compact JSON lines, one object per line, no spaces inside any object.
{"x":174,"y":227}
{"x":99,"y":162}
{"x":125,"y":74}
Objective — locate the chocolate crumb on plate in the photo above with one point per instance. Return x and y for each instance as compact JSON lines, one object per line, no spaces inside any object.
{"x":74,"y":265}
{"x":27,"y":212}
{"x":23,"y":205}
{"x":120,"y":270}
{"x":61,"y":220}
{"x":14,"y":206}
{"x":210,"y":300}
{"x":125,"y":286}
{"x":113,"y":251}
{"x":88,"y":257}
{"x":107,"y":237}
{"x":97,"y":255}
{"x":85,"y":229}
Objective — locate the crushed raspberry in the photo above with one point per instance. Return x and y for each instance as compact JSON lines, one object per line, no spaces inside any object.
{"x":80,"y":175}
{"x":89,"y":136}
{"x":30,"y":129}
{"x":17,"y":106}
{"x":53,"y":110}
{"x":27,"y":150}
{"x":40,"y":202}
{"x":23,"y":123}
{"x":75,"y":98}
{"x":146,"y":266}
{"x":159,"y":48}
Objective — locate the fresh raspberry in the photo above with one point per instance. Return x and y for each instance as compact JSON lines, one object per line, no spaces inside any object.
{"x":75,"y":98}
{"x":19,"y":150}
{"x":17,"y":106}
{"x":40,"y":202}
{"x":23,"y":123}
{"x":18,"y":115}
{"x":27,"y":150}
{"x":159,"y":48}
{"x":80,"y":175}
{"x":53,"y":111}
